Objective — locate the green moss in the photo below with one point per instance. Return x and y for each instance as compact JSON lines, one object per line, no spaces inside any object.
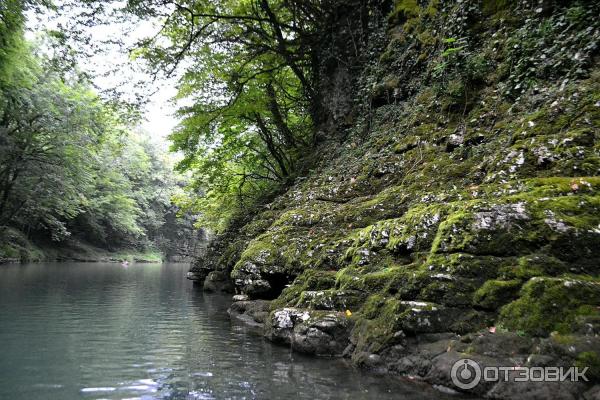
{"x":563,"y":339}
{"x":448,"y":291}
{"x":494,"y":293}
{"x":551,"y":304}
{"x":413,"y":232}
{"x":426,"y":38}
{"x":330,"y":299}
{"x":403,"y":10}
{"x":261,"y":251}
{"x":589,"y":359}
{"x":536,"y":265}
{"x":232,"y":253}
{"x":406,"y":144}
{"x":348,"y":278}
{"x":491,"y":7}
{"x":432,"y":8}
{"x":517,"y":224}
{"x":309,"y":280}
{"x":464,"y":265}
{"x":299,"y":217}
{"x":376,"y":324}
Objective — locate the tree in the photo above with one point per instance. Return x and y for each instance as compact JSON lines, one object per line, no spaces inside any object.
{"x":44,"y":134}
{"x":71,"y":166}
{"x":250,"y":76}
{"x":249,"y":70}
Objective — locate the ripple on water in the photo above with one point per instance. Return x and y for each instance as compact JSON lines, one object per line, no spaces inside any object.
{"x":97,"y":389}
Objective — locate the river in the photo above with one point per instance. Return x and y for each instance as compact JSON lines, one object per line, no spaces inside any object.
{"x":105,"y":331}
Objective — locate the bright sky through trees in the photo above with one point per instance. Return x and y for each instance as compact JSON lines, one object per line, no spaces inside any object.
{"x":158,"y":113}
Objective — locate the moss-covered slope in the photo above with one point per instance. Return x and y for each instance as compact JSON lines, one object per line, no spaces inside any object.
{"x":465,"y":195}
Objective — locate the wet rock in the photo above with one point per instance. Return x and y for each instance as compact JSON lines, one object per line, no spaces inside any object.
{"x":414,"y":365}
{"x":311,"y":332}
{"x":218,"y":281}
{"x":535,"y":390}
{"x":197,"y":275}
{"x":505,"y":345}
{"x":250,"y":280}
{"x":540,"y":360}
{"x":370,"y":361}
{"x":441,"y":369}
{"x":200,"y":270}
{"x":592,"y":394}
{"x":253,"y":312}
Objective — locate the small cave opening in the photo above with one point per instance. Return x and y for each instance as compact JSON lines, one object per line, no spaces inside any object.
{"x":278,"y":282}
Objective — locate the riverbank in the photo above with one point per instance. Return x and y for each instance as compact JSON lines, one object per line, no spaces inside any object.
{"x":452,"y":208}
{"x":17,"y":248}
{"x":430,"y":357}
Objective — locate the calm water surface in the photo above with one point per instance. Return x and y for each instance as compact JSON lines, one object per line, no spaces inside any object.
{"x":103,"y":331}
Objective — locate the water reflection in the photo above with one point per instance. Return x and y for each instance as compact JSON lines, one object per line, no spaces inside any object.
{"x":101,"y":331}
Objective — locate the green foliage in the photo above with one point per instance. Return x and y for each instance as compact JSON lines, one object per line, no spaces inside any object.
{"x":249,"y":83}
{"x":11,"y":43}
{"x":70,"y":164}
{"x":539,"y":49}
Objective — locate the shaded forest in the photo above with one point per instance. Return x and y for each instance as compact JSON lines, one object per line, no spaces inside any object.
{"x":76,"y":172}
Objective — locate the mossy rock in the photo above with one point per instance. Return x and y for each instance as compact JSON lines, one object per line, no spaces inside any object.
{"x":449,"y":290}
{"x":309,"y":280}
{"x":331,"y":299}
{"x":465,"y":265}
{"x":384,"y":321}
{"x":404,"y":282}
{"x":377,"y":325}
{"x":513,"y":182}
{"x":424,"y":317}
{"x":413,"y":232}
{"x":538,"y":264}
{"x":309,"y":331}
{"x":491,"y":7}
{"x":591,"y":360}
{"x":486,"y":229}
{"x":495,"y":293}
{"x":551,"y":304}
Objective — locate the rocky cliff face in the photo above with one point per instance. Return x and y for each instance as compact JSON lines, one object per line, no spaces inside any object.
{"x":459,"y":213}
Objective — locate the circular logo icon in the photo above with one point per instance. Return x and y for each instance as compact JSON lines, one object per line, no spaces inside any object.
{"x":465,"y":374}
